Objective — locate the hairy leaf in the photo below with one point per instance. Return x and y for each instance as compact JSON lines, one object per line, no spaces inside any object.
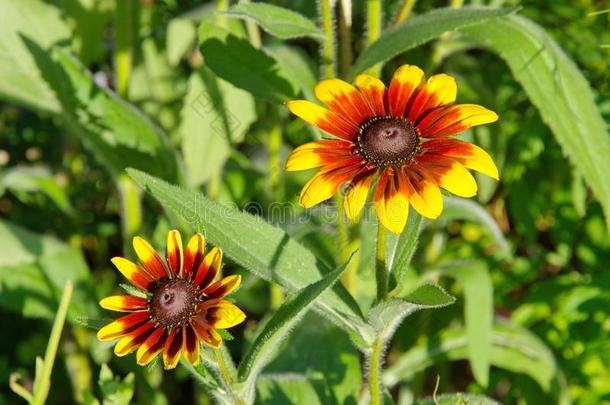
{"x":558,"y":89}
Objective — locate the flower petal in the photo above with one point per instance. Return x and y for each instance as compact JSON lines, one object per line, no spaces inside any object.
{"x":404,"y":82}
{"x":224,"y":315}
{"x":450,"y":175}
{"x":124,"y":303}
{"x":391,"y":202}
{"x":318,"y":153}
{"x":134,"y":339}
{"x":424,"y":196}
{"x":150,"y":258}
{"x":193,"y":256}
{"x":151,"y":346}
{"x":223,"y":287}
{"x":205,"y":333}
{"x":451,"y":120}
{"x":122,"y":326}
{"x":357,"y":193}
{"x":325,"y":183}
{"x":471,"y":156}
{"x":373,"y":91}
{"x":190,"y":346}
{"x":344,"y":99}
{"x":322,"y":118}
{"x":172,"y":348}
{"x":174,"y":252}
{"x":439,"y":90}
{"x":134,"y":273}
{"x":209,"y":268}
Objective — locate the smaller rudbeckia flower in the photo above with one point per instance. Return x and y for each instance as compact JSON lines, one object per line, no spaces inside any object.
{"x":183,"y":305}
{"x":397,"y":140}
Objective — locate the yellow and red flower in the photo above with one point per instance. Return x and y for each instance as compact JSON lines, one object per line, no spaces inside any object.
{"x":400,"y":136}
{"x":183,"y":306}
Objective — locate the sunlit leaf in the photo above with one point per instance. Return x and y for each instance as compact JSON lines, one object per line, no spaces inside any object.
{"x":421,"y":29}
{"x":278,"y":21}
{"x":558,"y":89}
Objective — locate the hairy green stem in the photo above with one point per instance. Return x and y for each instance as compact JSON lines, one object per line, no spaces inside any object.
{"x":328,"y":45}
{"x":226,"y":375}
{"x":345,"y":37}
{"x":405,"y":11}
{"x":42,"y":383}
{"x":381,"y":272}
{"x":125,"y":16}
{"x":374,"y":23}
{"x":375,"y":360}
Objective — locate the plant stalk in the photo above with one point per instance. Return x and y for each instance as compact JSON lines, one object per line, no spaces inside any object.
{"x":328,"y":46}
{"x":374,"y":25}
{"x":405,"y":11}
{"x":375,"y":371}
{"x":381,"y":272}
{"x":345,"y":37}
{"x":42,"y":382}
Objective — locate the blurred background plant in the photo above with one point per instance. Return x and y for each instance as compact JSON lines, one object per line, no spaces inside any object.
{"x":527,"y":261}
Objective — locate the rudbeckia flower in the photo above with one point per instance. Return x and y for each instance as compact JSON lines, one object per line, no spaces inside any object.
{"x":400,"y":137}
{"x":183,"y":306}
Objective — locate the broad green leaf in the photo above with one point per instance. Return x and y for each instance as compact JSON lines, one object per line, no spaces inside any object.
{"x":26,"y":179}
{"x":459,"y":398}
{"x":279,"y":326}
{"x":474,"y":279}
{"x":294,"y":60}
{"x":291,"y":388}
{"x":469,"y":210}
{"x":34,"y":270}
{"x":215,"y":116}
{"x":278,"y":21}
{"x":181,"y":36}
{"x":400,"y":248}
{"x":320,"y":351}
{"x":386,"y":316}
{"x":116,"y":390}
{"x":238,"y":62}
{"x":419,"y":30}
{"x":513,"y":349}
{"x":116,"y":132}
{"x":21,"y":78}
{"x":264,"y":249}
{"x":558,"y":89}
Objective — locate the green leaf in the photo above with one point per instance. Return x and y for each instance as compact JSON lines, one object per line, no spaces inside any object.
{"x":514,"y":349}
{"x":386,"y":316}
{"x":294,"y":60}
{"x":474,"y":278}
{"x":34,"y":270}
{"x":21,"y":78}
{"x":320,"y":352}
{"x":215,"y":116}
{"x":238,"y":62}
{"x":181,"y":37}
{"x":278,"y":21}
{"x":116,"y":391}
{"x":459,"y":398}
{"x":401,"y":247}
{"x":421,"y":29}
{"x":264,"y":249}
{"x":280,"y":324}
{"x":558,"y":89}
{"x":116,"y":132}
{"x":291,"y":388}
{"x":469,"y":210}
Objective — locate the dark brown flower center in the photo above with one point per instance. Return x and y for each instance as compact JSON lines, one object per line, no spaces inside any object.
{"x":388,"y":140}
{"x":173,"y":302}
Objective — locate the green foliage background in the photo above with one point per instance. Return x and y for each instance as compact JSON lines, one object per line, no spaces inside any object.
{"x":527,"y":261}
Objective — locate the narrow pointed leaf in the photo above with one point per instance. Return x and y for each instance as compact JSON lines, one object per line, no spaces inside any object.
{"x":278,"y":21}
{"x":558,"y":89}
{"x":421,"y":29}
{"x":278,"y":327}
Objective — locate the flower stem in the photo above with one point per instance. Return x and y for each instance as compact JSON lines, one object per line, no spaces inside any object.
{"x":328,"y":46}
{"x":226,"y":375}
{"x":381,"y":273}
{"x":375,"y":370}
{"x":404,"y":11}
{"x":42,"y":382}
{"x":345,"y":37}
{"x":374,"y":22}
